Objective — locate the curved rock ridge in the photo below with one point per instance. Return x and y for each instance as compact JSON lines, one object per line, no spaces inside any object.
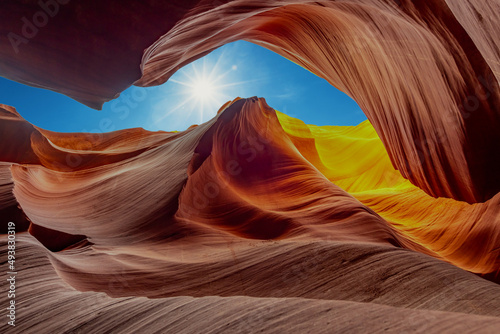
{"x":231,"y":178}
{"x":251,"y":173}
{"x":354,"y":158}
{"x":420,"y":79}
{"x":456,"y":302}
{"x":254,"y":220}
{"x":253,"y":206}
{"x":425,"y":73}
{"x":9,"y":208}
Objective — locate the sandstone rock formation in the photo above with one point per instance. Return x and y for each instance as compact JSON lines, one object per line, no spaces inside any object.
{"x":284,"y":222}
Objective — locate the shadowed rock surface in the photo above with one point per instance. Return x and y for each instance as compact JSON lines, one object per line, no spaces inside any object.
{"x":255,"y":221}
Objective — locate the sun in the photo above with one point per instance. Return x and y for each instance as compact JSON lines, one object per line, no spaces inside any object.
{"x":203,"y":89}
{"x":199,"y":90}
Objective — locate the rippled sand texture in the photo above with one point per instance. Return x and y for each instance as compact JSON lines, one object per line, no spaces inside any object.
{"x":255,"y":221}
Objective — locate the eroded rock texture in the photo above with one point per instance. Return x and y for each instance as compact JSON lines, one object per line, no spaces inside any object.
{"x":392,"y":217}
{"x":252,"y":203}
{"x":425,"y":73}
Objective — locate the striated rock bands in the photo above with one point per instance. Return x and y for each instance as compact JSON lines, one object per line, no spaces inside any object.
{"x":284,"y":222}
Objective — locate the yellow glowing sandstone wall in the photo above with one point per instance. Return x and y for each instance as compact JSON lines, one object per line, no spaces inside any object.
{"x":354,"y":158}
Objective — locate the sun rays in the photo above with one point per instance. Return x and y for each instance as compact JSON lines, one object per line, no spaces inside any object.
{"x":203,"y":87}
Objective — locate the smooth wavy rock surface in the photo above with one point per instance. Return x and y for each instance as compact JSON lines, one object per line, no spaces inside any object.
{"x":425,"y":73}
{"x":43,"y":298}
{"x":255,"y":221}
{"x":252,"y":203}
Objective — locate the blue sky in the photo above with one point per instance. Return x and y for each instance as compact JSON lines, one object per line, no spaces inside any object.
{"x":193,"y":95}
